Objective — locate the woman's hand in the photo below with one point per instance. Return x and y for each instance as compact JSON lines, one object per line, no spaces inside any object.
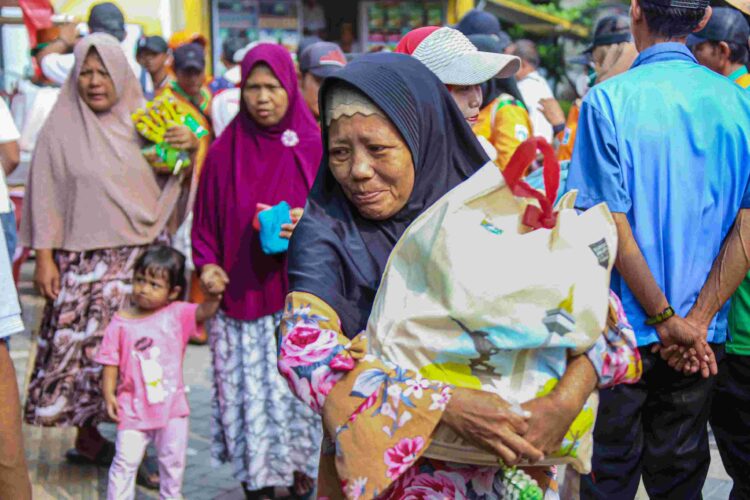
{"x":552,"y":415}
{"x":288,"y":229}
{"x":487,"y":421}
{"x":181,"y":137}
{"x":213,"y":279}
{"x":550,"y":420}
{"x":47,"y":275}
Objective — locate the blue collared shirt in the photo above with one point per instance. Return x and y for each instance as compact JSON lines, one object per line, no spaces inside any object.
{"x":667,"y":143}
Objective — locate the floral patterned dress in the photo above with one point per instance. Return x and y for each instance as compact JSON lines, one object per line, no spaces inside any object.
{"x":379,"y":418}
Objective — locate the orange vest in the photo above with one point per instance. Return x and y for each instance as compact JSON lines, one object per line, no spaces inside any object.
{"x":743,"y":81}
{"x":567,"y":137}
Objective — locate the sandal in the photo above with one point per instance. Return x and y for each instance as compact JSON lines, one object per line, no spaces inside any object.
{"x":148,"y":469}
{"x":103,"y":458}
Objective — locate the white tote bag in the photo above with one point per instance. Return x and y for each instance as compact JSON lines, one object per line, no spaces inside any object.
{"x":491,"y":288}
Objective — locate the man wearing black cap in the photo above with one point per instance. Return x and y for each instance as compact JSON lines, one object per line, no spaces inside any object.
{"x":153,"y":56}
{"x":57,"y":60}
{"x":722,"y":45}
{"x":190,"y":73}
{"x":665,"y":145}
{"x":317,"y":61}
{"x":188,"y":87}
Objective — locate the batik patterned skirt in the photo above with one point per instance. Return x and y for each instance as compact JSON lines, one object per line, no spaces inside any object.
{"x":65,"y":386}
{"x":258,"y":425}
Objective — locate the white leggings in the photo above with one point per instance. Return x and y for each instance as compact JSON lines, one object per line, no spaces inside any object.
{"x":171,"y":445}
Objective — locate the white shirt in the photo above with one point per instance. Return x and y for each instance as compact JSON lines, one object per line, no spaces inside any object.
{"x":534,"y":88}
{"x":224,"y":108}
{"x":8,"y":133}
{"x":57,"y":67}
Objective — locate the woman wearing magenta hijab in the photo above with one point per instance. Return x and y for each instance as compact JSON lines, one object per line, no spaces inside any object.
{"x":269,"y":154}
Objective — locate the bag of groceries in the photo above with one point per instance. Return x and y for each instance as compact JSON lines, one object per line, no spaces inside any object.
{"x":492,"y":287}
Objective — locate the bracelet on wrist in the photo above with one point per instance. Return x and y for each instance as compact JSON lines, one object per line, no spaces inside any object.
{"x":661,"y":317}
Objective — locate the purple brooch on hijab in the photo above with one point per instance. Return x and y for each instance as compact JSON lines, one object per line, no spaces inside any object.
{"x":289,"y":138}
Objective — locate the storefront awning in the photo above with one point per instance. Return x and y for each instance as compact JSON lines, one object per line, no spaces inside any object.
{"x":532,"y":19}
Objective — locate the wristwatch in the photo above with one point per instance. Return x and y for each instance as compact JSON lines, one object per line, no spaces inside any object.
{"x":661,"y":317}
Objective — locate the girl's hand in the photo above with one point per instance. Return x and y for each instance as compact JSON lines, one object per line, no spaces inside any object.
{"x":181,"y":137}
{"x":113,"y":409}
{"x":487,"y":421}
{"x":288,"y":229}
{"x":213,"y":279}
{"x":46,"y":275}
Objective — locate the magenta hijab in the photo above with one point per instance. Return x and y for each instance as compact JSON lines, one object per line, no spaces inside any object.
{"x":250,"y":164}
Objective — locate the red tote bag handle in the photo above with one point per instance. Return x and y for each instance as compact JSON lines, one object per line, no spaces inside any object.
{"x":544,"y":215}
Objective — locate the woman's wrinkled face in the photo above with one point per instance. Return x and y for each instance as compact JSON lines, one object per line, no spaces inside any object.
{"x":265,"y":97}
{"x":95,"y":86}
{"x":372,"y":163}
{"x":469,"y":100}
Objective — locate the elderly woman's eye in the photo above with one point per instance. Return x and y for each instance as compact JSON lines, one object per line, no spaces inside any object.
{"x":376,"y":148}
{"x":339,"y":153}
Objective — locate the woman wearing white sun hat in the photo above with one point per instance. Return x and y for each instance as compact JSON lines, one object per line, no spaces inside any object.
{"x":451,"y":56}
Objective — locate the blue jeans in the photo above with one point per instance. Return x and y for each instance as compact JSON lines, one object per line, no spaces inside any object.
{"x":8,"y":221}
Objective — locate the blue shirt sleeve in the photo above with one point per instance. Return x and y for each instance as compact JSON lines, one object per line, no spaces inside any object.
{"x":595,"y":169}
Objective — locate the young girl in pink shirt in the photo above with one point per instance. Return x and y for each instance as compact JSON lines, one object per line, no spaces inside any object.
{"x":144,"y":346}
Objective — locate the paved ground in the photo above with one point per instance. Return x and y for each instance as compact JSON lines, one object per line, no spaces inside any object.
{"x":54,"y":478}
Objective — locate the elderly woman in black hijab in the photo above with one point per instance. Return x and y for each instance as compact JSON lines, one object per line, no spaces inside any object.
{"x":394,"y":143}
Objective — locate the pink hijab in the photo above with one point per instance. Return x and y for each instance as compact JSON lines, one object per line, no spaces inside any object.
{"x":89,"y":186}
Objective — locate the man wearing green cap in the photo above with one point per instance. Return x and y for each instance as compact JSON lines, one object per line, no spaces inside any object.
{"x":722,"y":46}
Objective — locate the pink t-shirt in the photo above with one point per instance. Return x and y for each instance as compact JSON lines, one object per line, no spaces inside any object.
{"x":152,"y":345}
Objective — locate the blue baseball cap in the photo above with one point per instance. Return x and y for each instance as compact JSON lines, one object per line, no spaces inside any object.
{"x":322,"y":59}
{"x":478,"y":22}
{"x":726,"y":25}
{"x":189,"y":56}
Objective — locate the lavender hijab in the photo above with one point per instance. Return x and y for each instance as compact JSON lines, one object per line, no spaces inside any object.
{"x":249,"y":164}
{"x":89,"y":186}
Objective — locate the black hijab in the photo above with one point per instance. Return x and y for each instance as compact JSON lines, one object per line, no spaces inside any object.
{"x":335,"y":253}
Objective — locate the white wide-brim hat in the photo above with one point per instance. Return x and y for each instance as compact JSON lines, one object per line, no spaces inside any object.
{"x":456,"y":61}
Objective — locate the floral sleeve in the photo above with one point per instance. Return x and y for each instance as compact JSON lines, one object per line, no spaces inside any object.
{"x":379,"y":417}
{"x":615,"y":355}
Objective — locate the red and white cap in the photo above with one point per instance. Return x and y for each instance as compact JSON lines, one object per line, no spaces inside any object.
{"x":453,"y":58}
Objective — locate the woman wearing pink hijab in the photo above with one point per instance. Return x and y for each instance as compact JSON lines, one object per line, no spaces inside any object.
{"x":92,"y":206}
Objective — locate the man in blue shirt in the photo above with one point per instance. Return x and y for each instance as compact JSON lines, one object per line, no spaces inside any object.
{"x":665,"y":145}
